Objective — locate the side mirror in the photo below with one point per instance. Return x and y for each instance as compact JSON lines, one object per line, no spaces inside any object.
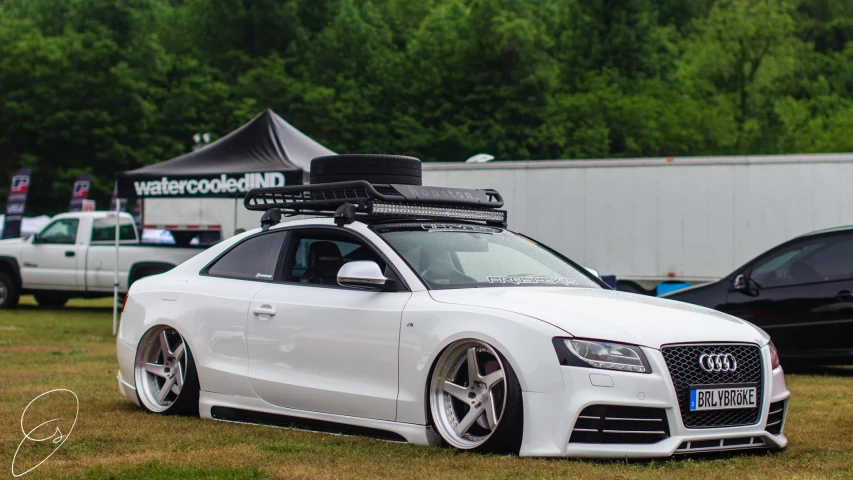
{"x":594,"y":272}
{"x":740,"y":282}
{"x":36,"y":238}
{"x":361,"y":273}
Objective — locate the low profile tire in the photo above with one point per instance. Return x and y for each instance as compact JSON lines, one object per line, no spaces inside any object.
{"x":371,"y":168}
{"x":9,"y":291}
{"x":475,"y":399}
{"x":165,"y":374}
{"x":49,"y":301}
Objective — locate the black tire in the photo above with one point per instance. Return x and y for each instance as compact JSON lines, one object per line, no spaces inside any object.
{"x":50,"y":301}
{"x":187,"y":404}
{"x":379,"y":169}
{"x":10,"y":292}
{"x":507,"y":438}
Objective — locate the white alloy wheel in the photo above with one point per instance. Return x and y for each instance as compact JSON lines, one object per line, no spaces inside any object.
{"x":468,"y":392}
{"x":161,"y":368}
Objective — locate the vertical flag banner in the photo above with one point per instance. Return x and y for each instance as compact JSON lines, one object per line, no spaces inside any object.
{"x":16,"y":202}
{"x":137,"y":213}
{"x":80,"y":192}
{"x":122,"y":201}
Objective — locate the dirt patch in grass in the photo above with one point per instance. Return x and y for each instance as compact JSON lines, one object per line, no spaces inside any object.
{"x":114,"y":439}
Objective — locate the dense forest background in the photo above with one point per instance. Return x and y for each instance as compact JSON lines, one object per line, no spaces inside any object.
{"x":109,"y":85}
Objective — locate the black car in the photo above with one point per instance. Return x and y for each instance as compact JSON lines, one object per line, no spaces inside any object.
{"x":799,"y":292}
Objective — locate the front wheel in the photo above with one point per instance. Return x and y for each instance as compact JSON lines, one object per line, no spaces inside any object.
{"x":165,"y":373}
{"x":475,"y":399}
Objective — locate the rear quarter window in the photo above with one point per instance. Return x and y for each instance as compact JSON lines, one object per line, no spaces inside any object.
{"x":253,"y":259}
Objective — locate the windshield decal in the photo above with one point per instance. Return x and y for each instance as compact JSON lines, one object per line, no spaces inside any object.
{"x":533,"y":279}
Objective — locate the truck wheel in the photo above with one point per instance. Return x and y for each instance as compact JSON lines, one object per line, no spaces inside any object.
{"x":371,"y":168}
{"x":50,"y":301}
{"x":9,"y":291}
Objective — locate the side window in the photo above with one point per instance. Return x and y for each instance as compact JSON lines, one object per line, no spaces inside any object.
{"x":254,"y":259}
{"x":821,"y":260}
{"x":315,"y":257}
{"x":104,"y":230}
{"x":60,"y":232}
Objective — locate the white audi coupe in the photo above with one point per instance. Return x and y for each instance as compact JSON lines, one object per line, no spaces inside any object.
{"x":411,"y":313}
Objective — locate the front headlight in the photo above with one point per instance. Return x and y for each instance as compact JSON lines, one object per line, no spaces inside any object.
{"x":579,"y":352}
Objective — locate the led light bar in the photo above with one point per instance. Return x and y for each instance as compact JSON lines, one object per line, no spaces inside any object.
{"x":439,"y":212}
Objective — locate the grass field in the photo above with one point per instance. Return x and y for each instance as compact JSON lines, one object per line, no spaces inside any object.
{"x":73,"y":348}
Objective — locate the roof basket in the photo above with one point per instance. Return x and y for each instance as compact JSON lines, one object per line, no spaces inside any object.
{"x":380,"y":200}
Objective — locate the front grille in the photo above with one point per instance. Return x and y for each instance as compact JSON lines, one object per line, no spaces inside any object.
{"x":776,"y":418}
{"x":613,"y":424}
{"x":683,"y":364}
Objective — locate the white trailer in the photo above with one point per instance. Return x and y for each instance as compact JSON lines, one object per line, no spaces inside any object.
{"x":695,"y":219}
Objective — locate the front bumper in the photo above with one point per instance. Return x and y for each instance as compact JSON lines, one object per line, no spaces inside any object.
{"x":549,"y":418}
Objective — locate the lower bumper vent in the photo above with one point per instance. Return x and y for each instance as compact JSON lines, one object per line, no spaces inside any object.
{"x":613,"y":424}
{"x":697,"y":446}
{"x":776,"y":418}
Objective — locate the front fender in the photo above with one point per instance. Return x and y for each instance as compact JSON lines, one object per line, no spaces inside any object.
{"x":428,"y":327}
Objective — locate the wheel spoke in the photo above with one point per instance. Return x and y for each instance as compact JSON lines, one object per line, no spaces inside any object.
{"x":155,"y":369}
{"x":179,"y":352}
{"x":164,"y":345}
{"x":468,"y":420}
{"x":493,"y":378}
{"x":491,"y":416}
{"x":457,"y":391}
{"x":176,"y":389}
{"x":473,"y":368}
{"x":167,"y":387}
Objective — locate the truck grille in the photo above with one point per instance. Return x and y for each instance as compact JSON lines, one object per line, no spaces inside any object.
{"x":615,"y":424}
{"x":683,"y":364}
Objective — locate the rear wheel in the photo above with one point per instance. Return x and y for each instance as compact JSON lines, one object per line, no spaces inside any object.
{"x":475,"y":399}
{"x":9,"y":291}
{"x":165,"y":373}
{"x":371,"y":168}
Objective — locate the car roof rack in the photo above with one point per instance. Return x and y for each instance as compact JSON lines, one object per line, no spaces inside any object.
{"x":345,"y":201}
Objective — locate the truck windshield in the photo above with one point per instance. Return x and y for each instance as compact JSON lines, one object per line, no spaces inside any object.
{"x":465,"y":256}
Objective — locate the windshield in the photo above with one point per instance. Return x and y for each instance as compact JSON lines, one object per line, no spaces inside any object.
{"x":463,"y":256}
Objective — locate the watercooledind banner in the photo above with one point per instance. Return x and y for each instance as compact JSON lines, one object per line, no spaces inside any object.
{"x":16,"y":203}
{"x":80,"y":192}
{"x":218,"y":185}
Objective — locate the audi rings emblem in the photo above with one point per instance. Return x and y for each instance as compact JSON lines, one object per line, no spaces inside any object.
{"x":718,"y":362}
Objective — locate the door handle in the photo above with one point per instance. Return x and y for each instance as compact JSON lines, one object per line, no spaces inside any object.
{"x":844,"y":296}
{"x":69,"y":253}
{"x":264,"y":310}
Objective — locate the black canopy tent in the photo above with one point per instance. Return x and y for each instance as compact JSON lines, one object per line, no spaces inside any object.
{"x":267,"y":151}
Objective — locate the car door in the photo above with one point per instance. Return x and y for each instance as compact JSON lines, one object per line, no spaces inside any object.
{"x":801,"y":295}
{"x":218,"y":301}
{"x":50,"y":259}
{"x":314,"y":345}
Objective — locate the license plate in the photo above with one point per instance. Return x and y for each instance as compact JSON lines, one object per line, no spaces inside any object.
{"x":720,"y":397}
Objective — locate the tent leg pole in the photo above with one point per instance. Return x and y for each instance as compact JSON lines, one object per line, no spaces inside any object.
{"x":115,"y":271}
{"x":234,"y":230}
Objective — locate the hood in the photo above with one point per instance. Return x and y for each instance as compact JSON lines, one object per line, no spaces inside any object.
{"x":611,"y":315}
{"x":10,"y":245}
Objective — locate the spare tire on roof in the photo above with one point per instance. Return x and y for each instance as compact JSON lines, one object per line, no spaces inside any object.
{"x":369,"y":167}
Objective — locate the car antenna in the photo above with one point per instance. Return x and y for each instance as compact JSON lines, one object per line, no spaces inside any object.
{"x":270,"y":218}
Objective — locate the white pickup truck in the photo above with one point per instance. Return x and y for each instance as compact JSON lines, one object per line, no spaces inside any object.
{"x":74,"y":256}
